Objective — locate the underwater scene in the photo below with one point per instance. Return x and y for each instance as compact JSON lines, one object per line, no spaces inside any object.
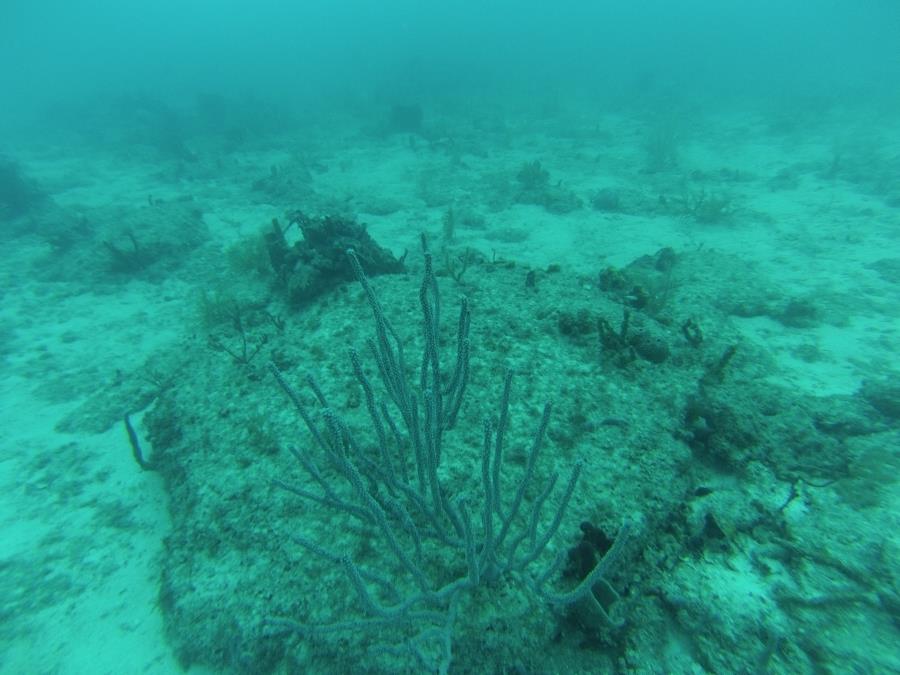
{"x":512,"y":338}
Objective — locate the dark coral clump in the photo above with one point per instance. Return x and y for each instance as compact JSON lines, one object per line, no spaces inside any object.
{"x":318,"y":262}
{"x":582,"y":557}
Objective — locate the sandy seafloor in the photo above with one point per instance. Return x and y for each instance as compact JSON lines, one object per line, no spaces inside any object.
{"x":82,"y":526}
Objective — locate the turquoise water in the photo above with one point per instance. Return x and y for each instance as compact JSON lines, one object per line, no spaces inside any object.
{"x":357,"y":338}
